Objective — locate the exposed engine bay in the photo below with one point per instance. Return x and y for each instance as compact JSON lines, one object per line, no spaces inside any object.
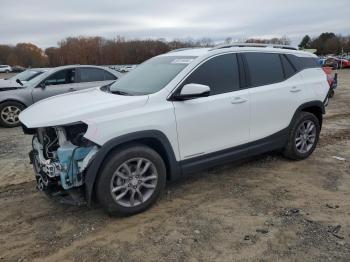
{"x":60,"y":156}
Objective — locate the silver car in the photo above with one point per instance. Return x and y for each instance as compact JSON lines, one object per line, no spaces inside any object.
{"x":55,"y":81}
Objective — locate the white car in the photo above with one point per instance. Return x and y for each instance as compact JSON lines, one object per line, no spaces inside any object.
{"x":5,"y":69}
{"x":175,"y":114}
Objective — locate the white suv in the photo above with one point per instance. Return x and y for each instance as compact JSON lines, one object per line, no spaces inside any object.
{"x":175,"y":114}
{"x":5,"y":69}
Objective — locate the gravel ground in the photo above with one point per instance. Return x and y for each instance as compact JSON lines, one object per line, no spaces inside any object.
{"x":6,"y":75}
{"x":262,"y":209}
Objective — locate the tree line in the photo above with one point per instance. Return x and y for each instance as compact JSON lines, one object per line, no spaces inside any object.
{"x":92,"y":50}
{"x":102,"y":51}
{"x":327,"y":43}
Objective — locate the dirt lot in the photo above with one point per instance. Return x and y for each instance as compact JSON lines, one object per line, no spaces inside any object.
{"x":263,"y":209}
{"x":6,"y":75}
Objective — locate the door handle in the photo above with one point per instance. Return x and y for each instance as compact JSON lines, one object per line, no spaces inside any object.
{"x":72,"y":89}
{"x":295,"y":89}
{"x":238,"y":100}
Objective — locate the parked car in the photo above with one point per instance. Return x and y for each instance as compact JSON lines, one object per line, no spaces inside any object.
{"x":127,"y":68}
{"x":175,"y":114}
{"x":53,"y":82}
{"x":18,"y":69}
{"x":336,"y":63}
{"x":321,"y":61}
{"x":5,"y":69}
{"x":332,"y":80}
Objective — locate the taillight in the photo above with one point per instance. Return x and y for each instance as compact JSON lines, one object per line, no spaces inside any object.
{"x":330,"y":78}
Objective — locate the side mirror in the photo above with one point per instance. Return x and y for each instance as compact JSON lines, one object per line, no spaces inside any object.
{"x":19,"y":82}
{"x":191,"y":91}
{"x":42,"y":85}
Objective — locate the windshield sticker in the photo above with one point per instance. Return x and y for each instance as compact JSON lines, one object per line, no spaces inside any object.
{"x":182,"y":61}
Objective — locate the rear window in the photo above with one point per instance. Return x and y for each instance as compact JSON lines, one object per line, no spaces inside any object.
{"x":94,"y":74}
{"x":264,"y":68}
{"x":301,"y":63}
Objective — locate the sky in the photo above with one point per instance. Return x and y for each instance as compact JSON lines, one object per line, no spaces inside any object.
{"x":45,"y":22}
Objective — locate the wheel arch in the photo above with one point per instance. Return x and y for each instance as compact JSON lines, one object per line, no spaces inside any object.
{"x":153,"y":138}
{"x":13,"y":100}
{"x":314,"y":107}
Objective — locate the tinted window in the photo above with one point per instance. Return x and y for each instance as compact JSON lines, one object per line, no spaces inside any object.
{"x":301,"y":63}
{"x":288,"y":69}
{"x":264,"y":68}
{"x":91,"y":74}
{"x":109,"y":76}
{"x":61,"y":77}
{"x":219,"y":73}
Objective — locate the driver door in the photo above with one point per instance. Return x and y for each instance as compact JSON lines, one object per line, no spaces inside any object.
{"x":219,"y":121}
{"x":60,"y":82}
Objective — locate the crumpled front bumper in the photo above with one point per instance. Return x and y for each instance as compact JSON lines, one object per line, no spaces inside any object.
{"x":74,"y":196}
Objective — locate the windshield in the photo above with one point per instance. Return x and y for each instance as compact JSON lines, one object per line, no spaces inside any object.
{"x":27,"y":75}
{"x":151,"y":76}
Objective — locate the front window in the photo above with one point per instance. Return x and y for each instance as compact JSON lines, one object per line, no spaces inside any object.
{"x":151,"y":76}
{"x":66,"y":76}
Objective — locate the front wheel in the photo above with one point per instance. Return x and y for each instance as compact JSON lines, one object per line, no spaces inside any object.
{"x":131,"y":180}
{"x":9,"y":114}
{"x":303,"y":137}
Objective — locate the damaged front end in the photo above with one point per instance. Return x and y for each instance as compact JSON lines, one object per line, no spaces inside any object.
{"x":61,"y":156}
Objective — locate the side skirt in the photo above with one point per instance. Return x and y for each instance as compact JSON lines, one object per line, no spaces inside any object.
{"x":270,"y":143}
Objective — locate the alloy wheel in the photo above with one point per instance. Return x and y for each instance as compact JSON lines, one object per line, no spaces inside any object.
{"x":9,"y":115}
{"x":305,"y":137}
{"x":134,"y":182}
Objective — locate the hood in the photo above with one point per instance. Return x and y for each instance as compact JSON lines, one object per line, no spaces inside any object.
{"x":6,"y":85}
{"x":81,"y":106}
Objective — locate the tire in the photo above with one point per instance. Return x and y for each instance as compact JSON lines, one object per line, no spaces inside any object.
{"x":7,"y":71}
{"x":293,"y":149}
{"x":109,"y":178}
{"x":9,"y":112}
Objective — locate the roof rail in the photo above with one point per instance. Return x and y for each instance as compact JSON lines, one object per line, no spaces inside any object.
{"x":181,"y":49}
{"x":254,"y":45}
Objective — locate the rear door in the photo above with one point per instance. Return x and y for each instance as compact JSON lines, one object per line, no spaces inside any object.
{"x":60,"y":82}
{"x":93,"y":77}
{"x":274,"y":92}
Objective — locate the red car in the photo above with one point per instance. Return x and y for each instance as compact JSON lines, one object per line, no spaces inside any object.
{"x":337,"y":63}
{"x":332,"y":81}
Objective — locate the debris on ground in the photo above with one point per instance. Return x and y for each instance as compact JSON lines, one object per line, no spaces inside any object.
{"x":332,"y":206}
{"x":339,"y":158}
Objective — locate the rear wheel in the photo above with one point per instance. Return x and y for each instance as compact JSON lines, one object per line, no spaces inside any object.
{"x":303,"y":137}
{"x":9,"y":114}
{"x":131,"y":180}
